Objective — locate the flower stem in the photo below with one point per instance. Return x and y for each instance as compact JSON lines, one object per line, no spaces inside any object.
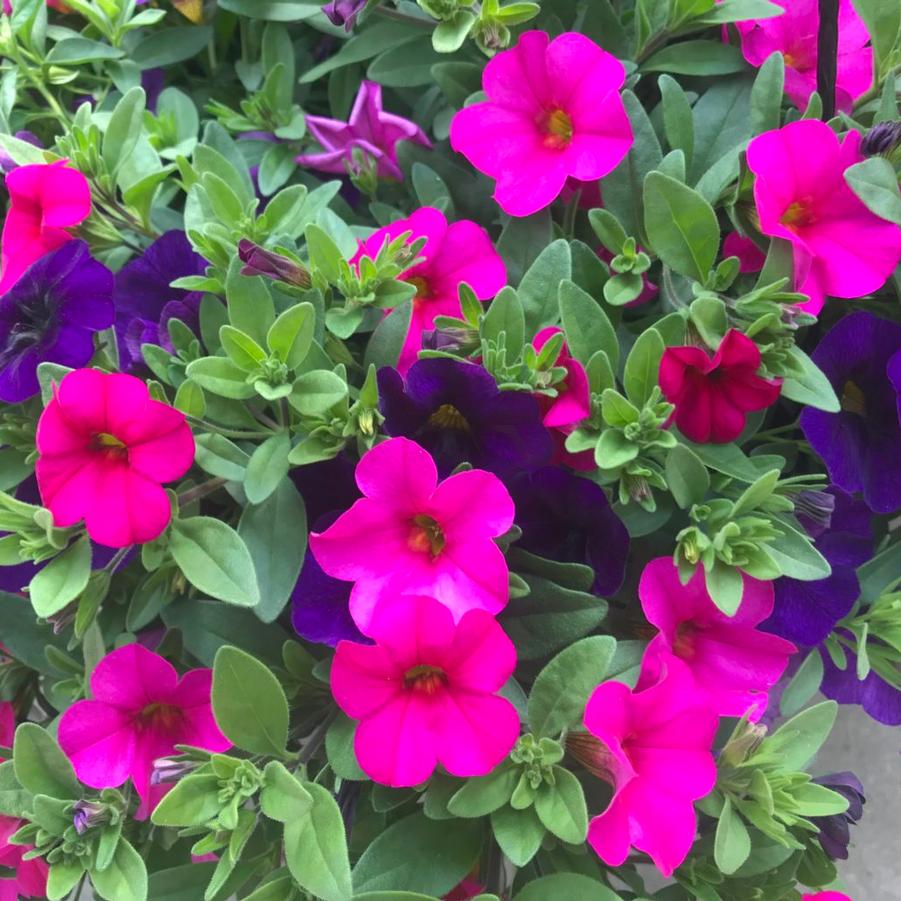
{"x":200,"y":491}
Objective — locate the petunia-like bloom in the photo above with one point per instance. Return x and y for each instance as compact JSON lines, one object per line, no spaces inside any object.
{"x":553,"y":112}
{"x":656,"y":753}
{"x":729,"y":657}
{"x":860,"y":443}
{"x":827,"y":896}
{"x":467,"y":889}
{"x":145,"y":302}
{"x":568,"y":518}
{"x":794,"y":34}
{"x":835,"y":830}
{"x":369,"y":129}
{"x":50,"y":315}
{"x":44,"y":201}
{"x":840,"y":247}
{"x":425,"y":692}
{"x":455,"y":410}
{"x":750,"y":257}
{"x":343,"y":12}
{"x":410,"y":535}
{"x":879,"y":699}
{"x":140,"y":710}
{"x":453,"y":253}
{"x":105,"y":449}
{"x":713,"y":394}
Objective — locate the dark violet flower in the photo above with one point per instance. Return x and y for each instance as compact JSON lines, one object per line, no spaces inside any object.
{"x":835,"y":831}
{"x":50,"y":315}
{"x":153,"y":81}
{"x":860,"y":444}
{"x":343,"y":12}
{"x":568,"y":518}
{"x":457,"y":413}
{"x":144,"y":301}
{"x":806,"y":612}
{"x":878,"y":698}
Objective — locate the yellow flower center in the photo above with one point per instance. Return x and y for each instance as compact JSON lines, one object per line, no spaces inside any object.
{"x":109,"y":445}
{"x":797,"y":215}
{"x":426,"y":536}
{"x":447,"y":416}
{"x":853,"y":399}
{"x":558,"y":129}
{"x":425,"y":679}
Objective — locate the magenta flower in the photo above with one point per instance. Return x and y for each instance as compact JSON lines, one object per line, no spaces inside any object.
{"x":841,"y":249}
{"x":794,"y":34}
{"x":655,"y":752}
{"x":826,"y":896}
{"x":553,"y":112}
{"x":105,"y":449}
{"x":369,"y":129}
{"x":733,"y":660}
{"x":140,"y":711}
{"x":410,"y":535}
{"x":573,"y":401}
{"x":453,"y":253}
{"x":425,"y":692}
{"x":750,"y":257}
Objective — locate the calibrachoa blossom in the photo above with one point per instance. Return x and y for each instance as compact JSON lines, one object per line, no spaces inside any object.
{"x":44,"y":201}
{"x":105,"y":449}
{"x":879,"y":698}
{"x":713,"y":394}
{"x":411,"y":535}
{"x":453,"y":253}
{"x":455,"y":410}
{"x":343,"y":12}
{"x":425,"y":693}
{"x":794,"y":34}
{"x":553,"y":112}
{"x":750,"y":257}
{"x":841,"y":249}
{"x":140,"y":710}
{"x":835,"y":830}
{"x":859,"y":444}
{"x":50,"y":315}
{"x":369,"y":129}
{"x":827,"y":896}
{"x":729,"y":657}
{"x":646,"y":738}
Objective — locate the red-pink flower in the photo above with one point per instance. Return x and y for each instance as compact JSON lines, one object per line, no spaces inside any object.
{"x":453,"y":253}
{"x":44,"y":201}
{"x":425,"y":692}
{"x":410,"y":535}
{"x":713,"y":394}
{"x":794,"y":34}
{"x":105,"y":448}
{"x":553,"y":112}
{"x":140,"y":711}
{"x":729,"y":657}
{"x":840,"y":248}
{"x":750,"y":257}
{"x":826,"y":896}
{"x":656,"y":753}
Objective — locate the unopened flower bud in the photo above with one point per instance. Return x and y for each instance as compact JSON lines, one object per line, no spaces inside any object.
{"x":343,"y":12}
{"x":814,"y":510}
{"x":259,"y":261}
{"x":166,"y":770}
{"x":87,"y":814}
{"x":882,"y":139}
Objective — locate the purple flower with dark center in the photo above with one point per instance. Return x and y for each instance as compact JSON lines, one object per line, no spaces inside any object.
{"x":343,"y":12}
{"x":835,"y":831}
{"x":860,"y":443}
{"x":568,"y":518}
{"x":50,"y":315}
{"x":457,"y":413}
{"x":806,"y":612}
{"x":879,"y":699}
{"x":145,"y":302}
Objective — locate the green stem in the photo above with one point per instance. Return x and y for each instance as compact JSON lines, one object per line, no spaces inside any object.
{"x":28,"y":71}
{"x":226,"y":433}
{"x":388,"y":13}
{"x":200,"y":491}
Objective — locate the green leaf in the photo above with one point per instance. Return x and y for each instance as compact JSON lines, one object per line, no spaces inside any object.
{"x":883,"y":21}
{"x":677,"y":118}
{"x":62,"y":579}
{"x":268,"y":465}
{"x":63,"y":877}
{"x":794,"y":743}
{"x":283,"y":796}
{"x":519,"y":834}
{"x":561,"y":807}
{"x":522,"y":240}
{"x":725,"y":586}
{"x":682,"y":226}
{"x":811,"y":388}
{"x":220,"y":376}
{"x":315,"y":393}
{"x":218,"y":456}
{"x":250,"y":306}
{"x":125,"y":879}
{"x":643,"y":367}
{"x":214,"y":559}
{"x":316,"y":849}
{"x":388,"y":338}
{"x":874,"y":181}
{"x":189,"y":399}
{"x":812,"y":800}
{"x":766,"y":94}
{"x":483,"y":794}
{"x":249,"y":703}
{"x":78,"y":50}
{"x":244,"y":352}
{"x":15,"y":801}
{"x":686,"y":476}
{"x":587,"y":327}
{"x":165,"y":46}
{"x":697,"y":58}
{"x":193,"y":801}
{"x":796,"y":556}
{"x":185,"y":883}
{"x":505,"y":314}
{"x":339,"y":748}
{"x":560,"y":691}
{"x":124,"y":128}
{"x":732,"y":845}
{"x":803,"y":685}
{"x":404,"y":66}
{"x":291,"y":334}
{"x":739,"y":11}
{"x":40,"y":765}
{"x":568,"y":886}
{"x":450,"y":34}
{"x":538,"y":288}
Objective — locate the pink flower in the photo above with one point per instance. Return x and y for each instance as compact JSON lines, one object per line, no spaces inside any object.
{"x":729,"y":657}
{"x":44,"y":200}
{"x":840,"y":248}
{"x":655,"y":752}
{"x":425,"y":692}
{"x":369,"y":129}
{"x":750,"y":257}
{"x":105,"y":448}
{"x":140,"y":711}
{"x":713,"y":394}
{"x":467,"y":889}
{"x":826,"y":896}
{"x":453,"y":253}
{"x":410,"y":535}
{"x":553,"y":112}
{"x":794,"y":34}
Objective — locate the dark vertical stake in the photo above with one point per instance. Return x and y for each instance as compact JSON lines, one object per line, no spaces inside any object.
{"x":827,"y":56}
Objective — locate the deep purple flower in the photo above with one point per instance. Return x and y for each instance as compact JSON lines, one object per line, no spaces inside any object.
{"x":878,"y":698}
{"x":894,"y":376}
{"x":153,"y":81}
{"x":50,"y":315}
{"x":568,"y":518}
{"x":343,"y":12}
{"x":806,"y":612}
{"x":835,"y":831}
{"x":457,"y":413}
{"x":144,"y":301}
{"x":327,"y":486}
{"x":860,"y":443}
{"x":369,"y":129}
